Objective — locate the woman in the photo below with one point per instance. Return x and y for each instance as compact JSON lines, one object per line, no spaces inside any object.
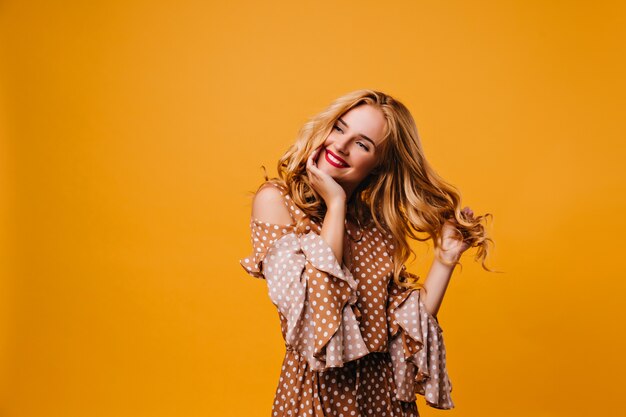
{"x":330,"y":239}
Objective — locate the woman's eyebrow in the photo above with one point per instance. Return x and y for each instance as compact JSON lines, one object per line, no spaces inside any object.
{"x":360,"y":134}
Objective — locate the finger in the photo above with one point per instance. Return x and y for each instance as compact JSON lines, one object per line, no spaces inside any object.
{"x":311,"y":159}
{"x":309,"y":164}
{"x":314,"y":169}
{"x":315,"y":154}
{"x":311,"y":169}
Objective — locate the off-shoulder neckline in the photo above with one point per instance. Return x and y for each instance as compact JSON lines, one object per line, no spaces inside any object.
{"x":294,"y":224}
{"x":253,"y":220}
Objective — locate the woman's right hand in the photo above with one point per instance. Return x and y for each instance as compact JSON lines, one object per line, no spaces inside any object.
{"x":324,"y":184}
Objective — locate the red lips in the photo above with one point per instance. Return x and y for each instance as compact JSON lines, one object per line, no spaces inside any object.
{"x":333,"y":161}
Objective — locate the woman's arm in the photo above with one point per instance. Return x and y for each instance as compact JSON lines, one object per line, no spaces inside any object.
{"x":334,"y":196}
{"x":451,"y":247}
{"x":333,"y":229}
{"x":436,"y":284}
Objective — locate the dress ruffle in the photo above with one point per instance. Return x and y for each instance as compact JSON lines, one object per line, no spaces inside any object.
{"x":417,"y":350}
{"x":263,"y":236}
{"x":315,"y":295}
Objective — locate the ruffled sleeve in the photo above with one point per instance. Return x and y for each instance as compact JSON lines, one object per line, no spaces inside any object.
{"x":315,"y":295}
{"x":263,"y":236}
{"x":417,"y":349}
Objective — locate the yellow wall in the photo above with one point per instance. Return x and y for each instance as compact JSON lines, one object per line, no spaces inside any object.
{"x":133,"y":130}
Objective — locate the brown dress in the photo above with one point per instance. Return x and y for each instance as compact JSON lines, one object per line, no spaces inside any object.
{"x":357,"y":344}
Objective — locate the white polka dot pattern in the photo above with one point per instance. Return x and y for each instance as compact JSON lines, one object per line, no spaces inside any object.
{"x":417,"y":350}
{"x":356,"y":343}
{"x":314,"y":293}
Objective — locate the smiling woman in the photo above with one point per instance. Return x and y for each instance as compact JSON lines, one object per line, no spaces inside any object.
{"x":330,"y":238}
{"x":350,"y":153}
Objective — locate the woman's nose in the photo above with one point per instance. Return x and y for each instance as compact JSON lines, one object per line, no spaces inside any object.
{"x":341,"y":145}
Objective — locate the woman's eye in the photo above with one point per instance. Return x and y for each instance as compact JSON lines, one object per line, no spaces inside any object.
{"x":359,"y":143}
{"x":363,"y":146}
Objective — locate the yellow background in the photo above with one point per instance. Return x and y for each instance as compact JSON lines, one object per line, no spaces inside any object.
{"x":132,"y":132}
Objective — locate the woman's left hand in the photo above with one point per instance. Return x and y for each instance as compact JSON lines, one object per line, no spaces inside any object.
{"x":452,"y":243}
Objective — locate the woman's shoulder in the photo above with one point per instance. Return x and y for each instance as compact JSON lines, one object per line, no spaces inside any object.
{"x":275,"y":194}
{"x":270,"y":204}
{"x":276,"y":183}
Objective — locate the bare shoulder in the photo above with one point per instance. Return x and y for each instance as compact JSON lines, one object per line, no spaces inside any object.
{"x":269,"y":206}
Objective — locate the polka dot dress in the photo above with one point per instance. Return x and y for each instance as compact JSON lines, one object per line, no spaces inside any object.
{"x":357,"y":344}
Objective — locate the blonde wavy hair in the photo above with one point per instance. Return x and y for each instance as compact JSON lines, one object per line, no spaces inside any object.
{"x":403,"y":195}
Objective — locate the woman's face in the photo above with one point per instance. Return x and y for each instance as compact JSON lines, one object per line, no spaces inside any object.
{"x":351,"y":150}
